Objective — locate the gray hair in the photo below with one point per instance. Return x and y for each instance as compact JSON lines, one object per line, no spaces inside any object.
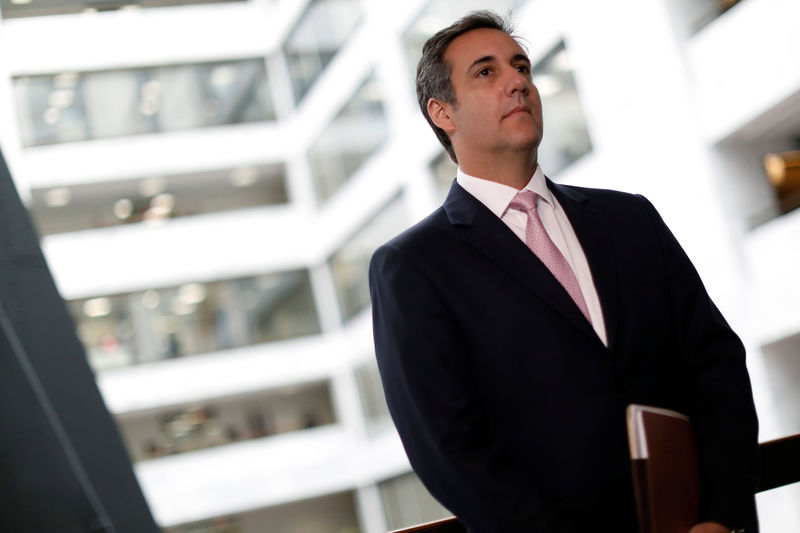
{"x":433,"y":72}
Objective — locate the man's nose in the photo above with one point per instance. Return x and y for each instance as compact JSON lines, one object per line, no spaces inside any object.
{"x":518,"y":82}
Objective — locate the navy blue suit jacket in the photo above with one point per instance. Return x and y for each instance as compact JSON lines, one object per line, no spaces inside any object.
{"x":511,"y":409}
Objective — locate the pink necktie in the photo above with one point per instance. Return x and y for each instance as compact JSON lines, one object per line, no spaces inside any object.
{"x":542,"y":245}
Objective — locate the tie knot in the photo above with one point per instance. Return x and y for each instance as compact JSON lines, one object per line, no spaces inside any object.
{"x":524,"y":201}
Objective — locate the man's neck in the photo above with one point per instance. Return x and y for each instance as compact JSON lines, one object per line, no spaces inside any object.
{"x":512,"y":171}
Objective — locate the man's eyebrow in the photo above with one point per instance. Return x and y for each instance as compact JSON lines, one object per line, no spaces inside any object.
{"x":488,"y":59}
{"x":521,"y":57}
{"x":480,"y":61}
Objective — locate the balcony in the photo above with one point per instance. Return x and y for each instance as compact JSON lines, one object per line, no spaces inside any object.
{"x":747,"y":82}
{"x":265,"y":472}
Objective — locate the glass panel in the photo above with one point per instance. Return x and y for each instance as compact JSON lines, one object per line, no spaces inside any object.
{"x":224,"y":524}
{"x":194,"y":427}
{"x":173,"y":97}
{"x":111,"y":203}
{"x":321,"y":31}
{"x":350,"y":264}
{"x":194,"y":318}
{"x":333,"y":513}
{"x":51,"y":109}
{"x":373,"y":401}
{"x":27,"y":8}
{"x":112,"y":103}
{"x":406,"y":502}
{"x":354,"y":135}
{"x":106,"y":330}
{"x":565,"y":136}
{"x":444,"y":172}
{"x":94,"y":105}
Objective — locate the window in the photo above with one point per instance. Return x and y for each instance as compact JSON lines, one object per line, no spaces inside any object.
{"x":354,"y":135}
{"x":783,"y":170}
{"x":332,"y":513}
{"x":74,"y":106}
{"x":153,"y":199}
{"x":373,"y":401}
{"x":214,"y":423}
{"x":21,"y":8}
{"x":565,"y":136}
{"x":321,"y":31}
{"x":407,"y":503}
{"x":350,"y":264}
{"x":194,"y":318}
{"x":444,"y":172}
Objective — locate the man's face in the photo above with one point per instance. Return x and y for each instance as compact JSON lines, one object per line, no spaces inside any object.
{"x":498,"y":110}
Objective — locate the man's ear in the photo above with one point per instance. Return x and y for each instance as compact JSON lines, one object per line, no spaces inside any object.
{"x":440,"y":115}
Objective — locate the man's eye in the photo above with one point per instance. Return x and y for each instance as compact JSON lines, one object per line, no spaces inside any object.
{"x":484,"y":72}
{"x":523,"y":69}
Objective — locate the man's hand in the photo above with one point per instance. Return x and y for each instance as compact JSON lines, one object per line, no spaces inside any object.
{"x":709,"y":527}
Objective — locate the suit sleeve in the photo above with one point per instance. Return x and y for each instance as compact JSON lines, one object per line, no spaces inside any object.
{"x":424,"y":367}
{"x":721,"y":398}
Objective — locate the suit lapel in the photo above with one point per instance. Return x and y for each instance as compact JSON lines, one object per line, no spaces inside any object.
{"x":594,"y":235}
{"x":490,"y":236}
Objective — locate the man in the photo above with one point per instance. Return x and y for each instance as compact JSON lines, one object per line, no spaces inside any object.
{"x":515,"y":323}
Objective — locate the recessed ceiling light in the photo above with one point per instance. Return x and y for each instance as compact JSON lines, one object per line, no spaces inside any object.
{"x":162,"y":204}
{"x":243,"y":177}
{"x":58,"y":197}
{"x":97,"y":307}
{"x":51,"y":115}
{"x":123,"y":208}
{"x":151,"y":299}
{"x":223,"y":75}
{"x":192,"y":293}
{"x":65,"y":80}
{"x":152,"y":186}
{"x":61,"y":98}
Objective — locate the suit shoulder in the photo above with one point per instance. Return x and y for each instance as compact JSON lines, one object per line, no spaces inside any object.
{"x":605,"y":194}
{"x":431,"y":228}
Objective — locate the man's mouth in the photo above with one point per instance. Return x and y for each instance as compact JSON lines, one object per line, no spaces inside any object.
{"x":518,"y":109}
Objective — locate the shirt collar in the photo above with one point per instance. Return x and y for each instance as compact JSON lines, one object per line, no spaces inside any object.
{"x":496,"y":196}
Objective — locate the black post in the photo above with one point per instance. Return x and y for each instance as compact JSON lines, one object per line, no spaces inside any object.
{"x":63,"y":466}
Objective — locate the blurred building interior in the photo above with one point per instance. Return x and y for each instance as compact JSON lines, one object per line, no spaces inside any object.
{"x":210,"y":177}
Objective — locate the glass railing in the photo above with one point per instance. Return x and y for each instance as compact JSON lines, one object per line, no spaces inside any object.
{"x":566,"y":138}
{"x":350,"y":263}
{"x":194,"y":318}
{"x":155,"y":199}
{"x":406,"y":502}
{"x":220,"y":422}
{"x":79,"y":106}
{"x":28,"y":8}
{"x":320,"y":32}
{"x":348,"y":141}
{"x":332,"y":513}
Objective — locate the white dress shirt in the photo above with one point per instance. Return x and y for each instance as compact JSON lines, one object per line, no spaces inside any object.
{"x":496,"y":197}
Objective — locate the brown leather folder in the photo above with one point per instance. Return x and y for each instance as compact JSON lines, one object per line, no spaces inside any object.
{"x":666,"y":476}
